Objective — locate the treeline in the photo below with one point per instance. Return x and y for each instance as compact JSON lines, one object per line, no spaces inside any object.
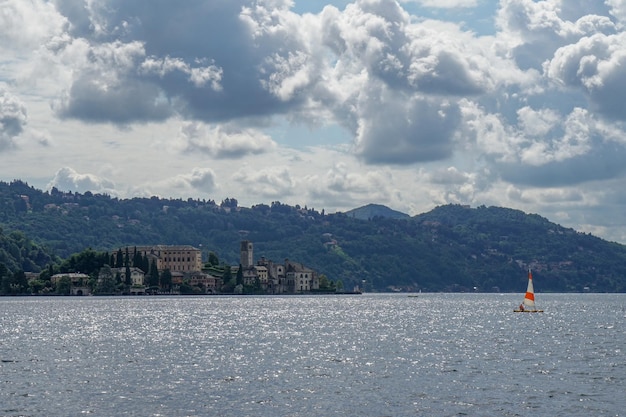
{"x":98,"y":266}
{"x":451,"y":248}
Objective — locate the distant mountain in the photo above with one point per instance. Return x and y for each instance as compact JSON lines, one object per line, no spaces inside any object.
{"x":450,"y":248}
{"x":371,"y":211}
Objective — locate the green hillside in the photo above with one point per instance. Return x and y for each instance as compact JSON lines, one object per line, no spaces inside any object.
{"x":451,"y":248}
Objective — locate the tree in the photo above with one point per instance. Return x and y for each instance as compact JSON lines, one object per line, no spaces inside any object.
{"x":36,"y":286}
{"x":127,"y":280}
{"x":153,"y":275}
{"x":106,"y":281}
{"x":227,"y":280}
{"x":324,"y":282}
{"x":137,"y":259}
{"x":119,"y":261}
{"x":213,"y":261}
{"x":229,"y":202}
{"x":12,"y":284}
{"x":185,"y":288}
{"x":5,"y":280}
{"x":20,"y":283}
{"x":145,"y":264}
{"x":166,"y":280}
{"x":239,"y":275}
{"x":64,"y":286}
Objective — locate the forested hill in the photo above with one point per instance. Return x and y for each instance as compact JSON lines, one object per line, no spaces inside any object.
{"x":451,"y":248}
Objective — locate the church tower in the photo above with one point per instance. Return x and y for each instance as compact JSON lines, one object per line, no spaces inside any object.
{"x":247,"y":256}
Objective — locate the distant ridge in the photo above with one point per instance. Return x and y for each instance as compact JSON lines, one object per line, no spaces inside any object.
{"x":376,"y":210}
{"x":450,"y":248}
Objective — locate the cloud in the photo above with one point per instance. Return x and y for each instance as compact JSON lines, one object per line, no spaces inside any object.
{"x":314,"y":66}
{"x":67,"y":179}
{"x":429,"y":57}
{"x":576,"y":158}
{"x":340,"y":186}
{"x":596,"y":65}
{"x":618,"y":9}
{"x":199,"y":76}
{"x":25,"y":25}
{"x":444,"y":4}
{"x":146,"y":57}
{"x":450,"y":175}
{"x":223,"y":141}
{"x":537,"y":122}
{"x":407,"y":131}
{"x":535,"y":29}
{"x":200,"y":179}
{"x":398,"y":83}
{"x":106,"y":90}
{"x":546,"y":148}
{"x":13,"y":118}
{"x":460,"y":187}
{"x":269,"y":183}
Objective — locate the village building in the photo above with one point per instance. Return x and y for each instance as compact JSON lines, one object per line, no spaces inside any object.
{"x":209,"y":283}
{"x":299,"y":278}
{"x":137,"y":276}
{"x":288,"y":278}
{"x":78,"y":282}
{"x":276,"y":280}
{"x":183,"y":258}
{"x":76,"y":278}
{"x":137,"y":279}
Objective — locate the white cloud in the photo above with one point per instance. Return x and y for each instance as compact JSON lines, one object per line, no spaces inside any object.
{"x":68,"y":179}
{"x":444,"y":4}
{"x":537,"y":122}
{"x":618,"y":9}
{"x":268,"y":183}
{"x":596,"y":65}
{"x":223,"y":141}
{"x":200,"y":179}
{"x":199,"y":76}
{"x":341,"y":187}
{"x":27,"y":24}
{"x":535,"y":29}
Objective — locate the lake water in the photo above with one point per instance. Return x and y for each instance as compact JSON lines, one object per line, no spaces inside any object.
{"x":367,"y":355}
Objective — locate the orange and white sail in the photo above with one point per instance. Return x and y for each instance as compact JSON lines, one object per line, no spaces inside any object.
{"x":529,"y":298}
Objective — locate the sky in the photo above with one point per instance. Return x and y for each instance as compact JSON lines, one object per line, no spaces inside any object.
{"x":327,"y":104}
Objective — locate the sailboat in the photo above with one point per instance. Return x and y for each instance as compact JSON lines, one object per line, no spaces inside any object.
{"x":528,"y":305}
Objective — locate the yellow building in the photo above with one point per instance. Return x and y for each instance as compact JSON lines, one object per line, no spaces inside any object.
{"x":176,"y":258}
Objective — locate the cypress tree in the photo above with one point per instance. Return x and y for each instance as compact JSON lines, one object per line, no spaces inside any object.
{"x":120,"y":259}
{"x":153,"y":276}
{"x":127,"y":280}
{"x":240,"y":275}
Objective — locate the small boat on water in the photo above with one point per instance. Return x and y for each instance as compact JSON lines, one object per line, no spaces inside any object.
{"x":528,"y":305}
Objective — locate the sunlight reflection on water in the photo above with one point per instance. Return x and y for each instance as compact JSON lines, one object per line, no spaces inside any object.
{"x":370,"y":355}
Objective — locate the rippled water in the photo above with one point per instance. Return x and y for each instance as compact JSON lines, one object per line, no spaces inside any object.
{"x":368,"y":355}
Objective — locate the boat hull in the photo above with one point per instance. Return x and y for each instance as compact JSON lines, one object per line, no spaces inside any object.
{"x":527,"y":311}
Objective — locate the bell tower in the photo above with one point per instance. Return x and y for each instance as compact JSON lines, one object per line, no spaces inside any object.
{"x":247,"y":255}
